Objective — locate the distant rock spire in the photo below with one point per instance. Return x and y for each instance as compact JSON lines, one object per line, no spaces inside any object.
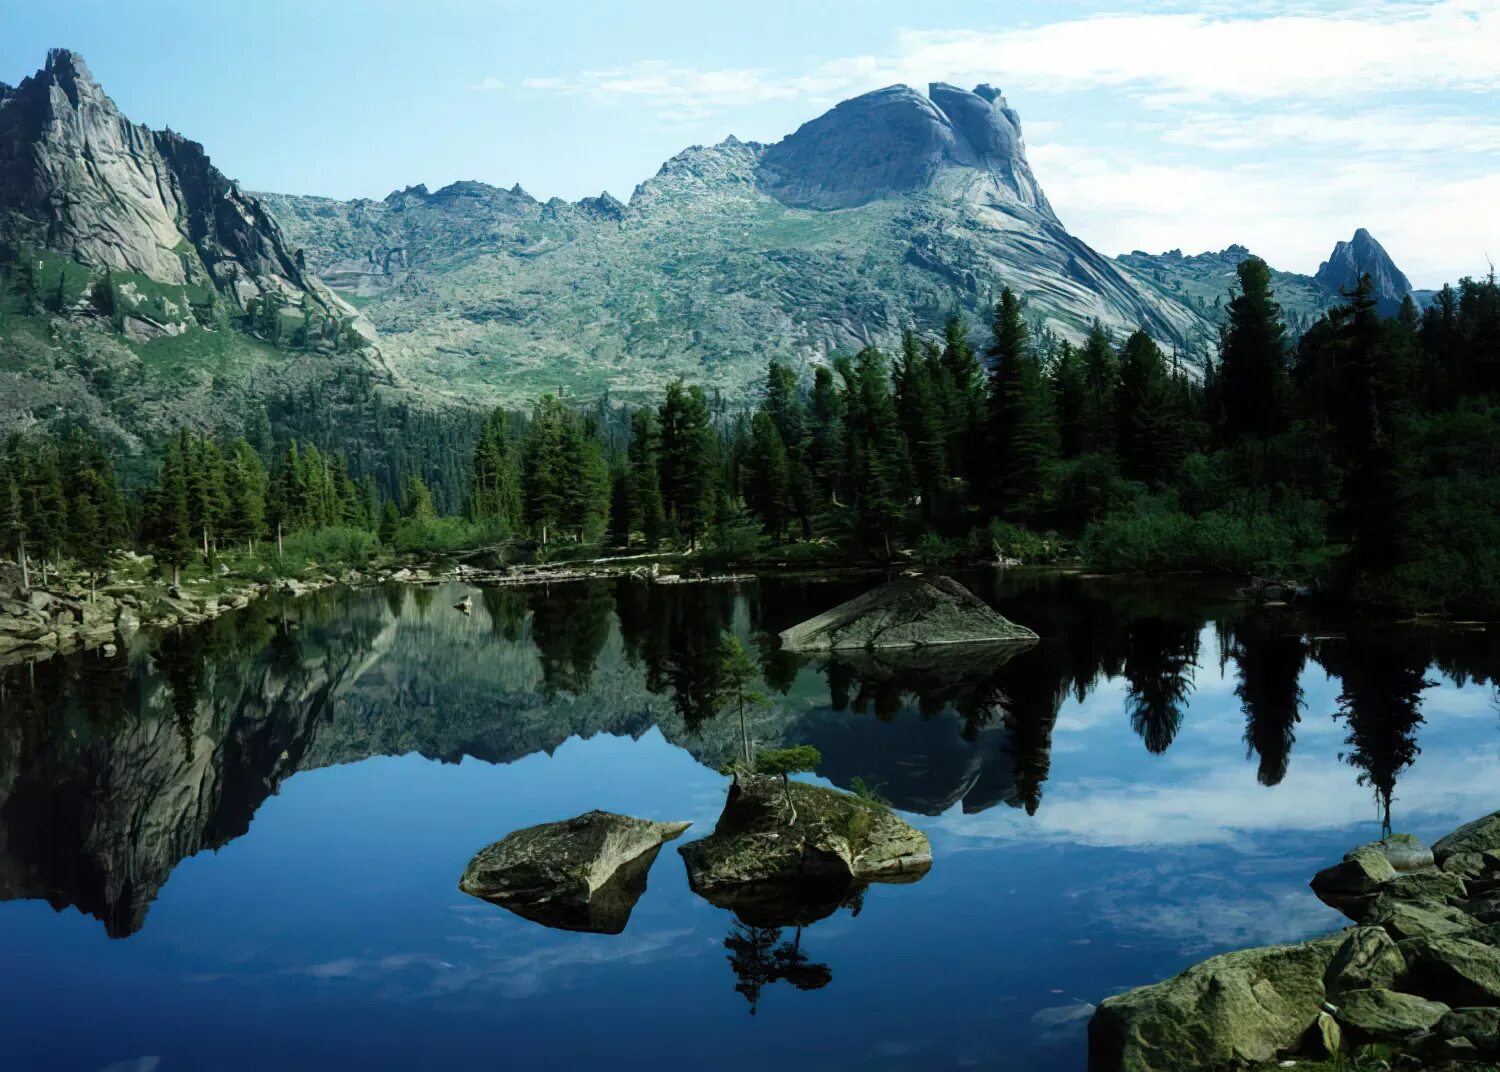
{"x":1363,"y":255}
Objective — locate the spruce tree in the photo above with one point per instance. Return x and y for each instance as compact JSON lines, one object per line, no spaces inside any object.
{"x":962,"y":397}
{"x":923,"y":420}
{"x":647,"y":514}
{"x":1253,"y":363}
{"x":416,"y":499}
{"x":876,"y":462}
{"x":1101,"y":383}
{"x":1150,"y":424}
{"x":585,"y":479}
{"x":245,"y":487}
{"x":544,"y":467}
{"x":1022,"y":432}
{"x":690,"y":472}
{"x":495,"y":497}
{"x":767,"y":481}
{"x":1070,"y":395}
{"x":168,"y":528}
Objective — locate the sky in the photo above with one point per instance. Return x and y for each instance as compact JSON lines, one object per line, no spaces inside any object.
{"x":1282,"y":125}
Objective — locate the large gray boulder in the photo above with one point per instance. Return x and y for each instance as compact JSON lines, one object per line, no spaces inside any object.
{"x":1367,"y":958}
{"x":909,"y":612}
{"x":1386,"y":1015}
{"x":1457,"y":970}
{"x":1398,"y":867}
{"x":580,"y":874}
{"x":1236,"y":1009}
{"x":1480,"y":836}
{"x":784,"y":853}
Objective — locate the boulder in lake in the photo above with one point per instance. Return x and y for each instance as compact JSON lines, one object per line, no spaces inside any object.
{"x":909,"y":612}
{"x":580,"y":874}
{"x":1236,"y":1009}
{"x":785,"y":853}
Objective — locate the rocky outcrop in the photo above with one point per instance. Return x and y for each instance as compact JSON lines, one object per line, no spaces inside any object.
{"x":1240,"y":1008}
{"x":1422,"y":974}
{"x":1360,"y":256}
{"x":895,"y":141}
{"x":581,"y":874}
{"x":910,"y":612}
{"x":79,"y":179}
{"x":786,"y":853}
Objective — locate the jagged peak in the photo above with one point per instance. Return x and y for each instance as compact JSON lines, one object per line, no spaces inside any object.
{"x":1364,"y":255}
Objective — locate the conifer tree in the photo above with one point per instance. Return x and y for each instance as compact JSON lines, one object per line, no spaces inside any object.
{"x":1021,"y":415}
{"x":245,"y":488}
{"x":1150,"y":424}
{"x":12,"y":520}
{"x":168,"y":528}
{"x":585,"y":479}
{"x":496,"y":492}
{"x":545,"y":470}
{"x":1252,"y":365}
{"x":1070,"y":396}
{"x":416,"y":499}
{"x":876,"y":463}
{"x":827,"y":449}
{"x":1101,"y":382}
{"x":923,"y":420}
{"x":646,"y":512}
{"x":690,"y":474}
{"x":767,"y":481}
{"x":962,"y":397}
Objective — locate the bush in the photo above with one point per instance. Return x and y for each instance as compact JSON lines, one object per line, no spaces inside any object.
{"x":1155,"y":539}
{"x":336,"y":546}
{"x":438,"y":535}
{"x":1013,"y":541}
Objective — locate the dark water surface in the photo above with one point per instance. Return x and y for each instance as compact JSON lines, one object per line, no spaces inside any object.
{"x":237,"y":847}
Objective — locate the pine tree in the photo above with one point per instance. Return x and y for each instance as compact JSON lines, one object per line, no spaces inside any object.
{"x":585,"y":479}
{"x":168,"y":518}
{"x":416,"y":499}
{"x":544,"y":467}
{"x":245,"y":487}
{"x":1150,"y":423}
{"x":690,"y":472}
{"x":1101,"y":383}
{"x":208,"y":501}
{"x":1021,"y":416}
{"x":12,"y":519}
{"x":1070,"y":396}
{"x":876,"y":463}
{"x":826,"y":452}
{"x":767,"y":483}
{"x":390,"y":522}
{"x":496,"y":487}
{"x":923,"y":421}
{"x":962,"y":398}
{"x":646,"y":512}
{"x":1252,"y":365}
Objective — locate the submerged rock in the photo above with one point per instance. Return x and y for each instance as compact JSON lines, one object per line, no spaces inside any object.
{"x":790,"y":853}
{"x":581,"y":874}
{"x":909,"y":612}
{"x":1241,"y":1008}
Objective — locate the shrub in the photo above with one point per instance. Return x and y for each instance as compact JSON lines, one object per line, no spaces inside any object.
{"x":326,"y":547}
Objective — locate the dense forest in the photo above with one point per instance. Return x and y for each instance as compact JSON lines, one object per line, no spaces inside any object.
{"x":1363,"y":456}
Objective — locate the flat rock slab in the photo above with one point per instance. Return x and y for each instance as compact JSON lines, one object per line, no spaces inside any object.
{"x":909,"y":612}
{"x":580,"y":874}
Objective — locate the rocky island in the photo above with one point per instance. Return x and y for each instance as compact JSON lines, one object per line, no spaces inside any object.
{"x":1417,"y":978}
{"x":909,"y":612}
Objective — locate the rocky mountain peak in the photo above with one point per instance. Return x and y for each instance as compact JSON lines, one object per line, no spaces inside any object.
{"x":78,"y":178}
{"x":1363,"y":255}
{"x":894,"y":141}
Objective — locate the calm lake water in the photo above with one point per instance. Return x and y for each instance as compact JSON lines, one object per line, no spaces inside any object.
{"x":238,"y":847}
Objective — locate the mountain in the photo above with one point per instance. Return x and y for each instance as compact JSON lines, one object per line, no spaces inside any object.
{"x":1361,"y":256}
{"x":1204,"y":281}
{"x":887,"y":212}
{"x":141,"y":289}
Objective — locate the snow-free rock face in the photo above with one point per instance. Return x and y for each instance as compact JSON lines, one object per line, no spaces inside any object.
{"x":896,"y":141}
{"x":79,"y":179}
{"x":581,"y":874}
{"x":910,"y":612}
{"x":1362,"y":255}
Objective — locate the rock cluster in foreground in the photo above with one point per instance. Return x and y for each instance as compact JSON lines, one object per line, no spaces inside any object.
{"x":909,"y":612}
{"x":580,"y":874}
{"x":1419,"y":974}
{"x":786,"y":853}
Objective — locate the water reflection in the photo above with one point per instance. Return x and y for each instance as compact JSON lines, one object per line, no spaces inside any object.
{"x":114,"y":769}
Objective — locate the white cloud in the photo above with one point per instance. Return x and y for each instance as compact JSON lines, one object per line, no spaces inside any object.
{"x":488,"y":85}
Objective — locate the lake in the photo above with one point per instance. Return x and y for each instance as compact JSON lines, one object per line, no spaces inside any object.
{"x":237,"y":846}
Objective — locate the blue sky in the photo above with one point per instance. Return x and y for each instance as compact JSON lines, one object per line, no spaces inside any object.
{"x":1151,"y":125}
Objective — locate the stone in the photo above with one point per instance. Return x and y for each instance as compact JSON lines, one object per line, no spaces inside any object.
{"x":908,"y":612}
{"x":1360,"y":256}
{"x":1386,"y":1015}
{"x":1467,"y":865}
{"x":1405,"y":852}
{"x":780,"y":845}
{"x":1352,"y":883}
{"x":580,"y":874}
{"x":1456,"y":970}
{"x":1406,"y":919}
{"x":1367,"y":958}
{"x":1247,"y":1007}
{"x":1486,"y":909}
{"x":1330,"y":1035}
{"x":1480,"y":1027}
{"x":1482,"y":835}
{"x":465,"y":605}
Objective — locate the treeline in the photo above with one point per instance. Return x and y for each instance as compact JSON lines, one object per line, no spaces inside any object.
{"x":1365,"y":453}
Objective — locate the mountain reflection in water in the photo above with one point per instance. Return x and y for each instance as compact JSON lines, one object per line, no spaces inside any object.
{"x":1155,"y":779}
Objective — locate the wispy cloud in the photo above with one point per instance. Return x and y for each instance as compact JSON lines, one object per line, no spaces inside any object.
{"x":488,"y":85}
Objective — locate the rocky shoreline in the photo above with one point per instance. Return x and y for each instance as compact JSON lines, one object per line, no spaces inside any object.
{"x":64,"y":615}
{"x":1414,"y":984}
